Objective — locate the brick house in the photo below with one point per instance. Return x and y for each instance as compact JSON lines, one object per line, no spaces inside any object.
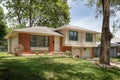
{"x":43,"y":39}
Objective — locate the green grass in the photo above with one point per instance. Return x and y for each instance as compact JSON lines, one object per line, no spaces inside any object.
{"x":52,"y":68}
{"x":117,"y":59}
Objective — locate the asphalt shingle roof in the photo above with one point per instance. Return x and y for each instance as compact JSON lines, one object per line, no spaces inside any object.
{"x":117,"y":40}
{"x":39,"y":30}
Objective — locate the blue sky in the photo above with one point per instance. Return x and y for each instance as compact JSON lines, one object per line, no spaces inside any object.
{"x":84,"y":16}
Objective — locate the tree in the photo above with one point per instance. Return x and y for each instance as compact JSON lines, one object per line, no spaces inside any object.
{"x":1,"y":14}
{"x":115,"y":7}
{"x":104,"y":7}
{"x":59,"y":11}
{"x":106,"y":34}
{"x":51,"y":13}
{"x":116,"y":26}
{"x":2,"y":28}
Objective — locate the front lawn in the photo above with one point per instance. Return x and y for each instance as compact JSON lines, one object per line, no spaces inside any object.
{"x":52,"y":68}
{"x":116,"y":59}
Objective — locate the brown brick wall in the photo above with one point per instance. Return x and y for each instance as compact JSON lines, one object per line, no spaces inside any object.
{"x":24,"y":39}
{"x":93,"y":54}
{"x":64,"y":48}
{"x":51,"y":43}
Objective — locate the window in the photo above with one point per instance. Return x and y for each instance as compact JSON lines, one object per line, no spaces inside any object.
{"x":39,"y":41}
{"x":89,"y":37}
{"x":73,"y":35}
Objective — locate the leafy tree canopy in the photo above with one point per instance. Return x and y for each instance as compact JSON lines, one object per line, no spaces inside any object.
{"x":1,"y":15}
{"x":114,"y":9}
{"x":51,"y":13}
{"x":2,"y":27}
{"x":106,"y":8}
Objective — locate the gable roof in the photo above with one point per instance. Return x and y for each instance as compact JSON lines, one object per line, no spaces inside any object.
{"x":39,"y":30}
{"x":75,"y":28}
{"x":35,"y":30}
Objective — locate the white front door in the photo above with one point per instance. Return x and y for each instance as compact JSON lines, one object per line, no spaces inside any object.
{"x":56,"y":43}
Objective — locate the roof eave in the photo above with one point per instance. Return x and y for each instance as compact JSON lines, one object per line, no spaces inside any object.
{"x":39,"y":33}
{"x":78,"y":30}
{"x":8,"y":35}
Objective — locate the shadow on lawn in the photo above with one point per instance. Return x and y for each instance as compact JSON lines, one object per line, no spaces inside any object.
{"x":4,"y":57}
{"x":45,"y":68}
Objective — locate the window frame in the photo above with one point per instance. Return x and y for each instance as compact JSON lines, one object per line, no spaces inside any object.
{"x":35,"y":42}
{"x":74,"y":36}
{"x":89,"y":37}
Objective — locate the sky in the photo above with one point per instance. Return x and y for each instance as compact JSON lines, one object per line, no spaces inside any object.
{"x":83,"y":16}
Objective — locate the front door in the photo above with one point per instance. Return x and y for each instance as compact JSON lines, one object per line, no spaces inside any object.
{"x":57,"y":43}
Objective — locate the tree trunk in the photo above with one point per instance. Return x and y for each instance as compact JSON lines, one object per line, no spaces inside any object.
{"x":30,"y":14}
{"x":106,"y":34}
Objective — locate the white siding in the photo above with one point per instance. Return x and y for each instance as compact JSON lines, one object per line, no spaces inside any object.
{"x":89,"y":44}
{"x":9,"y":45}
{"x":73,"y":43}
{"x":81,"y":39}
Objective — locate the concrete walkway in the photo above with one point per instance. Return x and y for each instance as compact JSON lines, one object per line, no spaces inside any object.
{"x":115,"y":64}
{"x":96,"y":61}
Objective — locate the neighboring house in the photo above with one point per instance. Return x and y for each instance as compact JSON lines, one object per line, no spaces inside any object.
{"x":117,"y":41}
{"x":78,"y":40}
{"x":114,"y":50}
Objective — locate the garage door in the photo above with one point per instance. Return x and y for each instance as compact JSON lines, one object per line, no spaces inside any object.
{"x":76,"y":51}
{"x":87,"y":53}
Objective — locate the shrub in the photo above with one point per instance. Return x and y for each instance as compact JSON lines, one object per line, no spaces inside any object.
{"x":18,"y":49}
{"x":68,"y":53}
{"x":36,"y":52}
{"x":45,"y":53}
